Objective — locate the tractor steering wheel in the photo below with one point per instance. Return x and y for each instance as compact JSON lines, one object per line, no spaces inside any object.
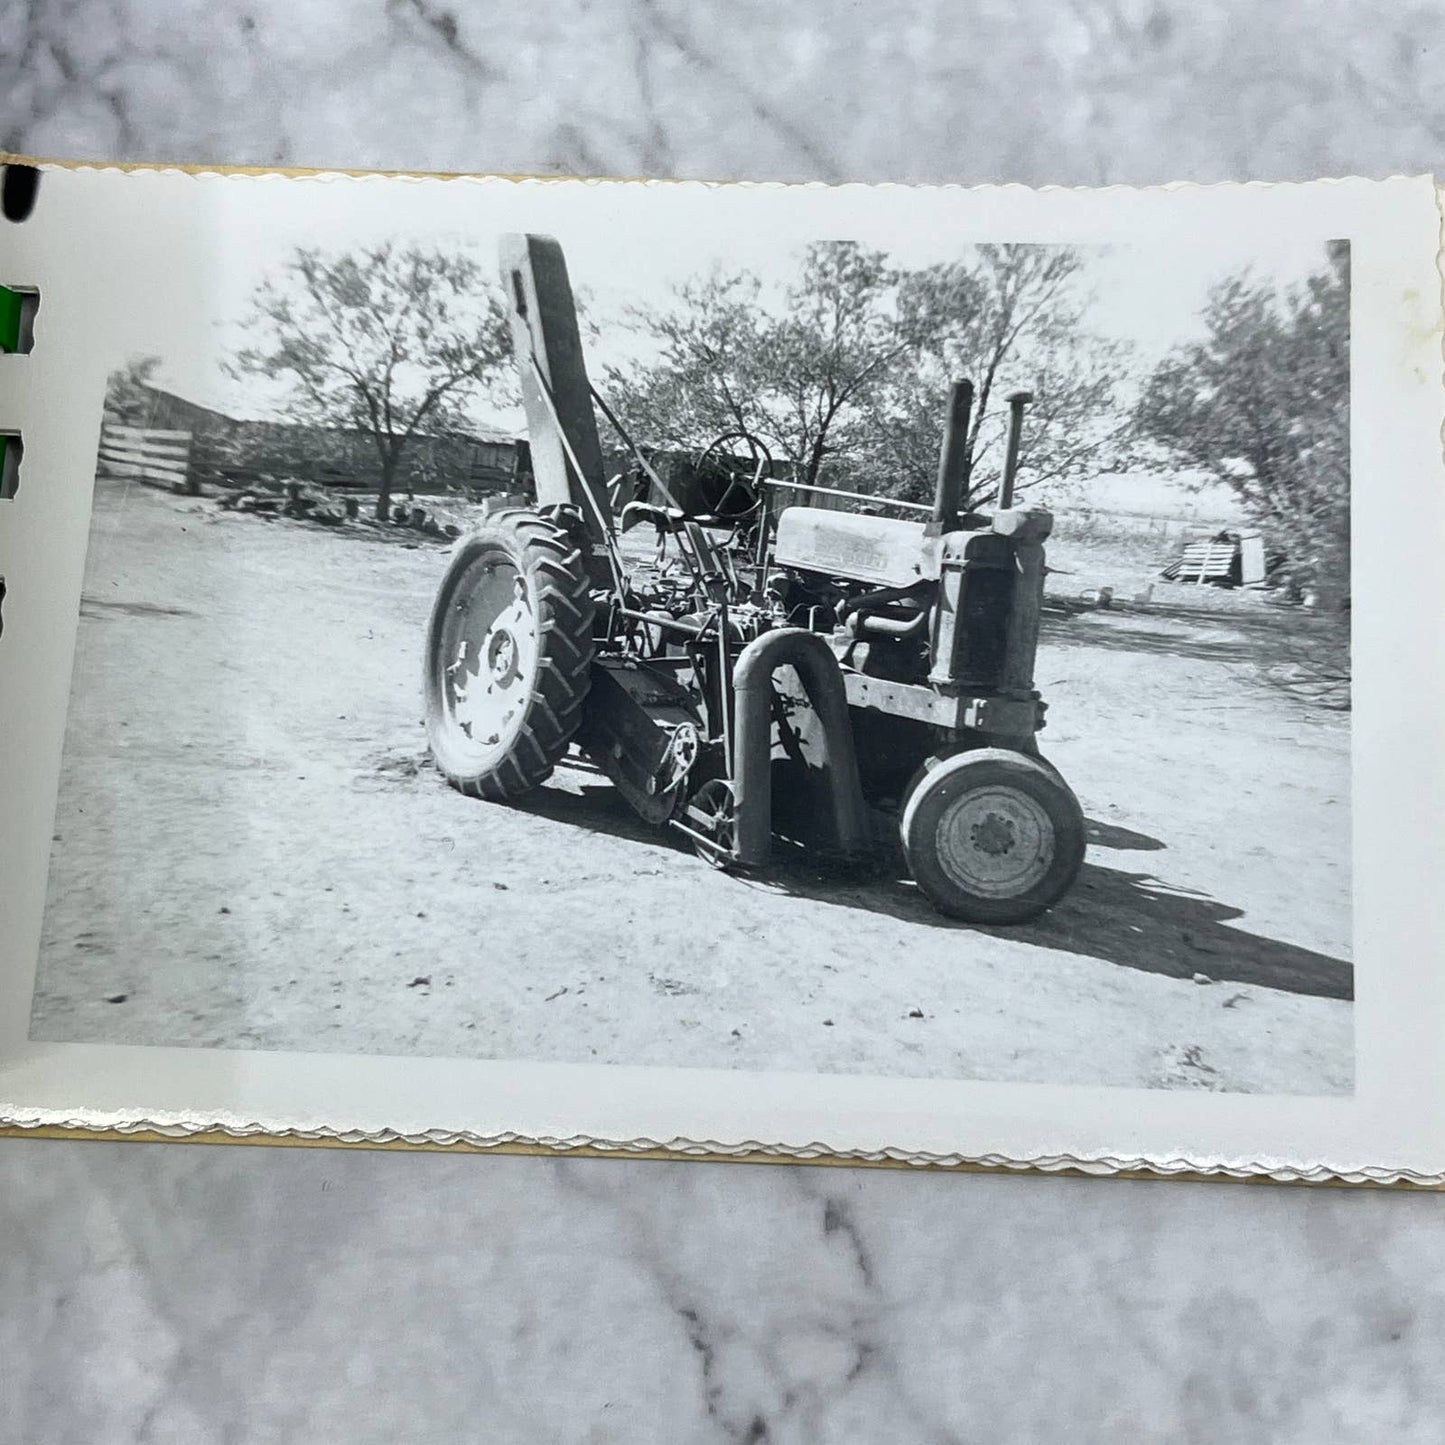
{"x":762,"y":463}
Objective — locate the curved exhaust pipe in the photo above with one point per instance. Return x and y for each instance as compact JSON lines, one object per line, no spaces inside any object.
{"x":753,"y":739}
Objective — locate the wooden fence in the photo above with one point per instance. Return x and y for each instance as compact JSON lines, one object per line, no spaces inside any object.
{"x":147,"y":454}
{"x":185,"y":461}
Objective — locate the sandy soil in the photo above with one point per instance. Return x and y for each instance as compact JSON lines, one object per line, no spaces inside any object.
{"x":251,"y":851}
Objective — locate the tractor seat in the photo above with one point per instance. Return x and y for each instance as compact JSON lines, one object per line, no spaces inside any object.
{"x":670,"y":519}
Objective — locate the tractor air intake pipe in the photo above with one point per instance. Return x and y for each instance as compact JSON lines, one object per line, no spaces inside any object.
{"x":753,"y":763}
{"x":952,"y":461}
{"x":1017,"y":402}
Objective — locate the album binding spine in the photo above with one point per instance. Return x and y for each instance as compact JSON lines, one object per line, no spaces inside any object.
{"x":19,"y":305}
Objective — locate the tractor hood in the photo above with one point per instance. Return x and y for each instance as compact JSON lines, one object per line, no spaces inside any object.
{"x":883,"y":550}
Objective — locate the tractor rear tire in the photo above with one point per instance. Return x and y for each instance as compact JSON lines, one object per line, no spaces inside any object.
{"x":508,"y":655}
{"x":993,"y":836}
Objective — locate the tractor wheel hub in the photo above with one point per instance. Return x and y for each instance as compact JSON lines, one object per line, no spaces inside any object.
{"x":995,"y":841}
{"x":994,"y":835}
{"x":502,"y":656}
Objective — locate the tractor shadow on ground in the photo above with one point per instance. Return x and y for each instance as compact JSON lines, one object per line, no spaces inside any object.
{"x":1131,"y":919}
{"x":591,"y":802}
{"x":1138,"y":921}
{"x":1111,"y":835}
{"x":1134,"y":920}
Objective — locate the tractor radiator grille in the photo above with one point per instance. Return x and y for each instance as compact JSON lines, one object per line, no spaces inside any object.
{"x":981,"y":640}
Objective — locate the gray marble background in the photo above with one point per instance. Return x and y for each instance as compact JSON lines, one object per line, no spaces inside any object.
{"x":195,"y":1294}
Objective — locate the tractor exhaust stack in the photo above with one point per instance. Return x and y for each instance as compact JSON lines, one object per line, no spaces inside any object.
{"x":1017,"y":402}
{"x":952,"y":462}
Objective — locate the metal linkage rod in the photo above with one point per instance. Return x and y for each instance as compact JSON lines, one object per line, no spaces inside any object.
{"x":632,"y":446}
{"x":852,"y":496}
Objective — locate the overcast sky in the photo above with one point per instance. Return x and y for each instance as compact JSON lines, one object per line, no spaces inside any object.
{"x":623,"y":245}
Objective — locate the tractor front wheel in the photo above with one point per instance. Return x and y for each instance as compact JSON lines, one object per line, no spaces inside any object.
{"x":508,"y":654}
{"x":992,"y":836}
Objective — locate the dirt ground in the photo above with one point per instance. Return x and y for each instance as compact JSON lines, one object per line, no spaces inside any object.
{"x":252,"y":851}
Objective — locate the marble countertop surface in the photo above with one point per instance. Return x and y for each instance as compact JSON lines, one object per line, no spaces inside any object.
{"x":209,"y":1295}
{"x":195,"y":1294}
{"x":1078,"y":92}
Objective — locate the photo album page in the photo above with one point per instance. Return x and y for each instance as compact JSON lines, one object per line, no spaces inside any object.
{"x":924,"y":674}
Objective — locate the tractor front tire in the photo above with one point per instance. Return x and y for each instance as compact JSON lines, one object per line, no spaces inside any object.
{"x":992,"y":836}
{"x":508,"y":655}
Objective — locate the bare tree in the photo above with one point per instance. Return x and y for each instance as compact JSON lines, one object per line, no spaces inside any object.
{"x":798,"y":373}
{"x":848,"y":370}
{"x":1010,"y":317}
{"x":389,"y":341}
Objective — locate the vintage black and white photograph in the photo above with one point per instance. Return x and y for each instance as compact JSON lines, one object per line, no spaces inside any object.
{"x":903,"y":654}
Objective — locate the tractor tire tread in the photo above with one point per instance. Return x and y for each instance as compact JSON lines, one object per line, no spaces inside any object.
{"x":562,"y":602}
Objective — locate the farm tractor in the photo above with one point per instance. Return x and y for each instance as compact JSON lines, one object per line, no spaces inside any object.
{"x":792,"y":676}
